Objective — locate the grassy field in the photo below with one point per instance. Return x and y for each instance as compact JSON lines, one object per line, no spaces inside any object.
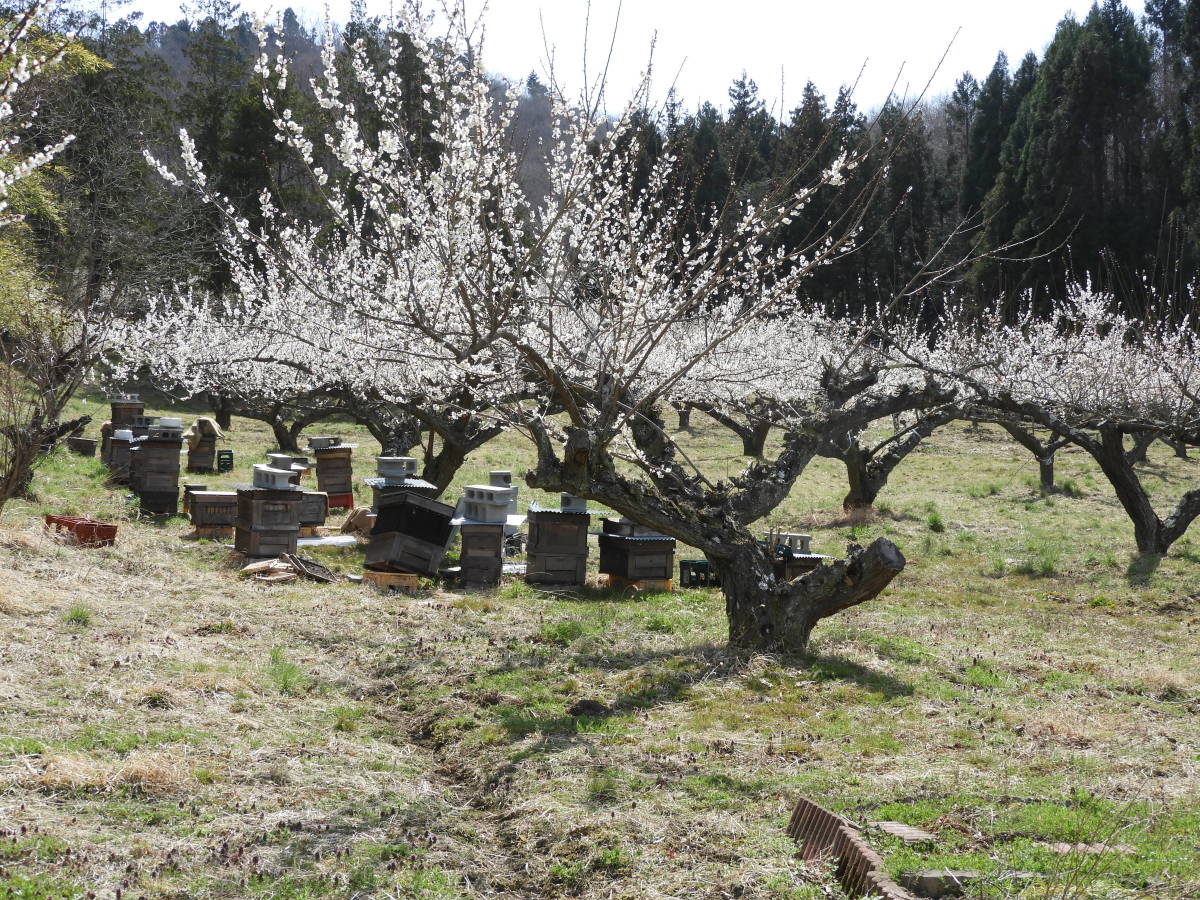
{"x":170,"y":730}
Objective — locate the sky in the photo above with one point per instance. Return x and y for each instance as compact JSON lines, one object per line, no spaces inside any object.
{"x":700,"y":46}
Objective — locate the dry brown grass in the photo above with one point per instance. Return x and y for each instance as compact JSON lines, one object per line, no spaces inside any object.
{"x":298,"y":741}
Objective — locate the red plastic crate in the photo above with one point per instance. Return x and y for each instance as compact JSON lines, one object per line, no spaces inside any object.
{"x":88,"y":532}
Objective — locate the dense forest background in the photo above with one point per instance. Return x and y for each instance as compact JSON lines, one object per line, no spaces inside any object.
{"x":1079,"y":165}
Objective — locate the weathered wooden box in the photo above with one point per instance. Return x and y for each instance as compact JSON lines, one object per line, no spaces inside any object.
{"x":202,"y":457}
{"x":314,"y":508}
{"x":636,"y":558}
{"x":411,"y":535}
{"x":393,"y":551}
{"x":82,"y":446}
{"x":558,"y":548}
{"x":558,"y":532}
{"x":209,"y":509}
{"x":125,"y":411}
{"x":118,"y":458}
{"x":627,"y":528}
{"x":159,"y":503}
{"x":265,"y":543}
{"x":481,"y":559}
{"x":155,"y":465}
{"x":264,"y":510}
{"x":550,"y":568}
{"x":335,"y":470}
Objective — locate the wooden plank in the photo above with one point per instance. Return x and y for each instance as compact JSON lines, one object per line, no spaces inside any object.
{"x":641,"y":584}
{"x":391,"y":581}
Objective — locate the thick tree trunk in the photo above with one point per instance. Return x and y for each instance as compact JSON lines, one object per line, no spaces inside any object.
{"x":1043,"y":453}
{"x":864,"y":486}
{"x":684,"y":411}
{"x":1141,"y":444}
{"x":765,"y":614}
{"x":1118,"y":469}
{"x":754,"y":440}
{"x":1046,"y":473}
{"x":222,"y":411}
{"x":753,"y":434}
{"x":1180,"y":448}
{"x":285,"y":438}
{"x":441,"y":468}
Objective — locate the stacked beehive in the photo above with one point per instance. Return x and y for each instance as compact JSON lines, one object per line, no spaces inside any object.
{"x":485,"y":509}
{"x":558,"y":548}
{"x":410,"y":535}
{"x":202,"y":450}
{"x":123,"y":410}
{"x":268,"y":514}
{"x":118,"y":455}
{"x":396,"y":475}
{"x":631,"y":553}
{"x":154,"y":467}
{"x":335,"y":470}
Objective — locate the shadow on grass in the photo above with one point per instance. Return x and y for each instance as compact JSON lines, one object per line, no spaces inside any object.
{"x":1142,"y":568}
{"x":667,"y":679}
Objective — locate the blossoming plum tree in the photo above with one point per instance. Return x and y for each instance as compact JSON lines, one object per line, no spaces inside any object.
{"x":1092,"y":377}
{"x":575,"y":317}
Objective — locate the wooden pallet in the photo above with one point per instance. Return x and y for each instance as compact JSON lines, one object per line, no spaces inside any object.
{"x":392,"y":581}
{"x":641,"y":584}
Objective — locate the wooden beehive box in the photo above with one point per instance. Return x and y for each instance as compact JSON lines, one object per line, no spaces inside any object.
{"x":265,"y":543}
{"x":482,"y":558}
{"x":126,"y":411}
{"x":211,"y":509}
{"x":265,"y":510}
{"x":118,"y":459}
{"x":202,"y":457}
{"x":410,"y":534}
{"x":335,"y":470}
{"x":558,"y":532}
{"x":158,"y":465}
{"x":82,"y":446}
{"x":314,"y":508}
{"x":637,"y":558}
{"x":558,"y":548}
{"x":551,"y":568}
{"x":393,"y":551}
{"x":160,"y":503}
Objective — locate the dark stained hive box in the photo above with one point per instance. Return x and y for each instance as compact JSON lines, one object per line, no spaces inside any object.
{"x":410,"y":535}
{"x":482,"y":558}
{"x":314,"y":508}
{"x":385,"y":490}
{"x":558,"y":549}
{"x":202,"y":457}
{"x":209,"y":509}
{"x":82,"y":446}
{"x":267,"y":522}
{"x":118,"y":460}
{"x":637,"y":558}
{"x":125,"y":411}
